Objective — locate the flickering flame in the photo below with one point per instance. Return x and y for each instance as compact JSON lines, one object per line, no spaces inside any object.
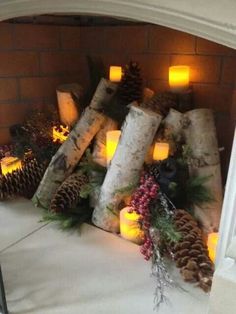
{"x":212,"y":242}
{"x":161,"y":151}
{"x":179,"y":77}
{"x":9,"y":164}
{"x":60,"y":134}
{"x":115,"y":73}
{"x":112,"y":140}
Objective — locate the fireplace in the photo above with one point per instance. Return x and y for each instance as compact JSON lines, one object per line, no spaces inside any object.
{"x":41,"y":52}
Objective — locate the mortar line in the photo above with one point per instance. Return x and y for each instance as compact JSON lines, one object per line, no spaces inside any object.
{"x":23,"y":238}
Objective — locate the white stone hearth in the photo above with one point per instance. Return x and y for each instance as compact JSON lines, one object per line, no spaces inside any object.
{"x":53,"y":272}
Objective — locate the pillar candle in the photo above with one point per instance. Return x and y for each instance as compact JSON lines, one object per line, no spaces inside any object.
{"x":130,"y":227}
{"x":115,"y":73}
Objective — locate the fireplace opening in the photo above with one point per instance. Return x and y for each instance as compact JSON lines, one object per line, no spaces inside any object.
{"x":50,"y":69}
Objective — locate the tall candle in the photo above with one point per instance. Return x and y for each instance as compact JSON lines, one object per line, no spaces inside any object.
{"x":179,"y":78}
{"x":161,"y":151}
{"x":112,"y":140}
{"x":130,"y":228}
{"x":115,"y":73}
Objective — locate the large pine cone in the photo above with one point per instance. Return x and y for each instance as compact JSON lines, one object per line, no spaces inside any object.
{"x":131,"y":85}
{"x":67,"y":195}
{"x":162,"y":102}
{"x":191,"y":253}
{"x":22,"y":182}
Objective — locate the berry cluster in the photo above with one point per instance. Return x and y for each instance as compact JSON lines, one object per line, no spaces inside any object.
{"x":141,"y":199}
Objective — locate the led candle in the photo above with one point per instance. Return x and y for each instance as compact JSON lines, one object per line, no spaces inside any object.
{"x":112,"y":140}
{"x":212,"y":245}
{"x":161,"y":151}
{"x":130,"y":226}
{"x":9,"y":164}
{"x":115,"y":73}
{"x":179,"y":78}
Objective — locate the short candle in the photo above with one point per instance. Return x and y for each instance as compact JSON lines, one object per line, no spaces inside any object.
{"x":115,"y":73}
{"x":130,"y":228}
{"x":212,"y":242}
{"x":161,"y":151}
{"x":112,"y":140}
{"x":9,"y":164}
{"x":179,"y":78}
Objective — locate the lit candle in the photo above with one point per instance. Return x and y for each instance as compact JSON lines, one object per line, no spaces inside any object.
{"x":60,"y":134}
{"x":130,"y":228}
{"x":212,"y":245}
{"x":161,"y":151}
{"x":112,"y":140}
{"x":115,"y":73}
{"x":9,"y":164}
{"x":179,"y":78}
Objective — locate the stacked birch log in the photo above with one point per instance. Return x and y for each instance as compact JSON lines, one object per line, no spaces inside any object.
{"x":138,"y":132}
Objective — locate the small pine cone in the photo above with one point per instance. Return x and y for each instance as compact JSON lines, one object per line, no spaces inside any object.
{"x":191,"y":253}
{"x":131,"y":85}
{"x":22,"y":182}
{"x":153,"y":170}
{"x":67,"y":195}
{"x":161,"y":103}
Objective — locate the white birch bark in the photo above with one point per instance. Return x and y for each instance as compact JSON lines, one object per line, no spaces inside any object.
{"x":200,"y":136}
{"x":138,"y":132}
{"x":71,"y":151}
{"x":68,"y":155}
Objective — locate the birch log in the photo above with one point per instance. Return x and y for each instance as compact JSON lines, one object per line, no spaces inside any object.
{"x":138,"y":132}
{"x":68,"y":155}
{"x":71,"y":151}
{"x":68,"y":109}
{"x":200,"y":136}
{"x":173,"y":128}
{"x":99,"y":149}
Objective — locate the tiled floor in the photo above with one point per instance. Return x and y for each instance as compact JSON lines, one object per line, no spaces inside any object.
{"x":52,"y":272}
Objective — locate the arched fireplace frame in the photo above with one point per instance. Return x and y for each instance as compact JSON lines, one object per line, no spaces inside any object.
{"x":209,"y":19}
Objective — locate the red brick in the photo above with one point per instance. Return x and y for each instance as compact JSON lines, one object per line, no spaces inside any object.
{"x":229,"y":70}
{"x":202,"y":69}
{"x":126,"y":39}
{"x":38,"y":87}
{"x":158,"y":86}
{"x":30,"y":36}
{"x":11,"y":114}
{"x":233,"y":105}
{"x":93,"y":39}
{"x":5,"y":137}
{"x":153,"y":66}
{"x":18,"y":63}
{"x":166,"y":40}
{"x":6,"y":40}
{"x":216,"y":97}
{"x":62,"y":62}
{"x":205,"y":46}
{"x":8,"y":89}
{"x":70,"y":37}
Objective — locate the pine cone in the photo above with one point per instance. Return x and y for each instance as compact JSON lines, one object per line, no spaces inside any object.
{"x":191,"y":253}
{"x":161,"y":103}
{"x":130,"y":88}
{"x":67,"y":195}
{"x":22,"y":182}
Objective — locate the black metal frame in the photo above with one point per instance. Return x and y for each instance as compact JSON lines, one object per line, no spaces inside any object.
{"x":3,"y":302}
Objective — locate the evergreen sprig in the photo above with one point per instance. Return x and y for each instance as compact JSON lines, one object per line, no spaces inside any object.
{"x":71,"y":220}
{"x":166,"y":228}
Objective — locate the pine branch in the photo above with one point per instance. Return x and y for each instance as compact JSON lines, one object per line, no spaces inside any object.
{"x":166,"y":228}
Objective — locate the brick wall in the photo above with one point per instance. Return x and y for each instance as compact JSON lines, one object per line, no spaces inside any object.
{"x":34,"y":59}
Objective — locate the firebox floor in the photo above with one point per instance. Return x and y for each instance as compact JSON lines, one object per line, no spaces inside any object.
{"x":47,"y":271}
